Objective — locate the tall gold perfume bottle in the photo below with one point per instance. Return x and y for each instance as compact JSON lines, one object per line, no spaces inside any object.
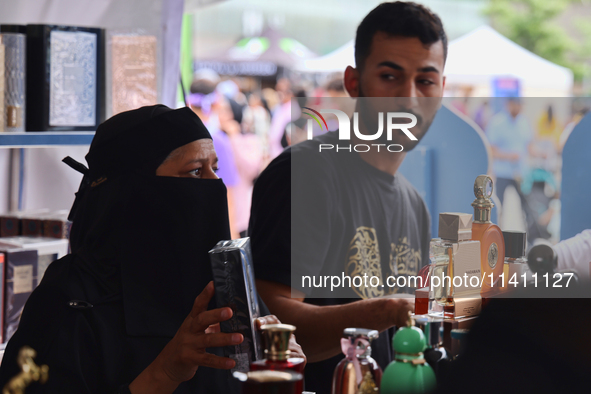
{"x":492,"y":244}
{"x":455,"y":276}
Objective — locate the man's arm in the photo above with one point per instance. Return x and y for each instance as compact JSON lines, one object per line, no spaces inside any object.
{"x":319,"y":328}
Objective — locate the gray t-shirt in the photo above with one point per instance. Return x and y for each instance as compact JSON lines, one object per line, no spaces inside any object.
{"x":317,"y":214}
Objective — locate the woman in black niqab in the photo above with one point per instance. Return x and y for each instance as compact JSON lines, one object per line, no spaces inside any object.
{"x":102,"y":315}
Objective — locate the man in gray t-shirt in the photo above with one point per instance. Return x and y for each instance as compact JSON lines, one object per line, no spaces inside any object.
{"x":347,"y":212}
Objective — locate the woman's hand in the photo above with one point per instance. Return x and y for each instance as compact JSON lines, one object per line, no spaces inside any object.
{"x":296,"y":349}
{"x":185,"y":353}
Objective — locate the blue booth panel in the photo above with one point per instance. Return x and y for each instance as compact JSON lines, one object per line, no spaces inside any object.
{"x":445,"y":164}
{"x":576,"y":181}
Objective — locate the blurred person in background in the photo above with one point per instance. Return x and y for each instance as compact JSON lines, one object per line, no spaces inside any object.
{"x":204,"y":101}
{"x":336,"y":88}
{"x":540,"y":185}
{"x":510,"y":136}
{"x":256,"y":118}
{"x":548,"y":127}
{"x":270,"y":99}
{"x":281,"y":117}
{"x":483,"y":114}
{"x":286,"y":140}
{"x":247,"y":151}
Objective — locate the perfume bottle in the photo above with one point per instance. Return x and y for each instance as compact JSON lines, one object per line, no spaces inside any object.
{"x":358,"y":372}
{"x":277,"y":353}
{"x":492,"y":244}
{"x":269,"y":382}
{"x":515,"y":260}
{"x":435,"y":354}
{"x":409,"y":372}
{"x":456,"y":270}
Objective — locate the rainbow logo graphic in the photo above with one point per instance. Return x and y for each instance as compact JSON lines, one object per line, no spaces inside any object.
{"x":315,"y":118}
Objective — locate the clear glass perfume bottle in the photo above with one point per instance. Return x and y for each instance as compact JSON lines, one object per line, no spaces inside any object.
{"x":492,"y":243}
{"x":515,"y":260}
{"x":358,"y":372}
{"x":277,"y":353}
{"x":455,"y":261}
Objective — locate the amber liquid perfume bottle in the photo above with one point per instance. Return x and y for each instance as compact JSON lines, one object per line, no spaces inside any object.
{"x":277,"y":353}
{"x":269,"y":382}
{"x":515,"y":261}
{"x":358,"y":372}
{"x":492,"y":244}
{"x":456,"y":269}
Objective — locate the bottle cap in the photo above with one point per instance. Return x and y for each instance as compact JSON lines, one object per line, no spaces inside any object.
{"x":360,"y":333}
{"x":483,"y":190}
{"x":459,"y":333}
{"x":541,"y":259}
{"x":354,"y":333}
{"x":268,"y":381}
{"x":409,"y":340}
{"x":515,"y":243}
{"x":455,"y":226}
{"x":276,"y":337}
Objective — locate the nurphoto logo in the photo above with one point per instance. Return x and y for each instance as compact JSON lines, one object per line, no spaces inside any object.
{"x":345,"y":129}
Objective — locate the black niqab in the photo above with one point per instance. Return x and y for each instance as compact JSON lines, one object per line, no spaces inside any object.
{"x":139,"y":258}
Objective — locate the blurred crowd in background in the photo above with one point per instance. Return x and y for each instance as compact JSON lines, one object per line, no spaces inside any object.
{"x":251,"y":125}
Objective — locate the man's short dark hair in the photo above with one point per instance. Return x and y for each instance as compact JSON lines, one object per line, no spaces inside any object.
{"x":399,"y":18}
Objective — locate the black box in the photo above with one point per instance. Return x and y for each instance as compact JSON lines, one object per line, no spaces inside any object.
{"x":65,"y":78}
{"x":233,"y":278}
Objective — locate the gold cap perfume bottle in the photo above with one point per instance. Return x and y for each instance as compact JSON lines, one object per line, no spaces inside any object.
{"x":492,"y":244}
{"x":515,"y":261}
{"x":277,"y":353}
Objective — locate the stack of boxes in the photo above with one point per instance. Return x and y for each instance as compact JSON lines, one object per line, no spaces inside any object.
{"x":29,"y":242}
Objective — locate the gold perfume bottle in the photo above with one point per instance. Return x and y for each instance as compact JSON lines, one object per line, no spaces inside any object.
{"x":515,"y":269}
{"x":492,"y":244}
{"x":455,"y":277}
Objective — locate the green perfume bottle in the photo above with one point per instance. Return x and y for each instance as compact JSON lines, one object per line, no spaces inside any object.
{"x":409,"y":373}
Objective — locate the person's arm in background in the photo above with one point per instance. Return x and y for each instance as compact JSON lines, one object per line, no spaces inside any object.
{"x":319,"y":328}
{"x":228,"y":173}
{"x":575,"y":253}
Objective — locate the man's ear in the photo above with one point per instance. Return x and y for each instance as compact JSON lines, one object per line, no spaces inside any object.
{"x":443,"y":84}
{"x":351,"y":80}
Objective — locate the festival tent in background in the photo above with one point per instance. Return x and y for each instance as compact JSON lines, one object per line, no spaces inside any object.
{"x":335,"y":61}
{"x":260,"y":55}
{"x":474,"y":62}
{"x":478,"y":58}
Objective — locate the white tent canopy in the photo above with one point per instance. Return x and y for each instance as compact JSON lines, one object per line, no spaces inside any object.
{"x":335,"y":61}
{"x":475,"y":59}
{"x":483,"y":54}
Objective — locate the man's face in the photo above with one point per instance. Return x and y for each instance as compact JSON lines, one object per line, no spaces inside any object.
{"x":514,"y":107}
{"x":196,"y":159}
{"x":401,"y":67}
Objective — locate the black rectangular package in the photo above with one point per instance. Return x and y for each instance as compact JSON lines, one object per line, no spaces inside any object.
{"x":233,"y":277}
{"x":65,"y":78}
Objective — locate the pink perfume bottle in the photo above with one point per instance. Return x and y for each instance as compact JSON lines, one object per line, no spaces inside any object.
{"x":358,"y":372}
